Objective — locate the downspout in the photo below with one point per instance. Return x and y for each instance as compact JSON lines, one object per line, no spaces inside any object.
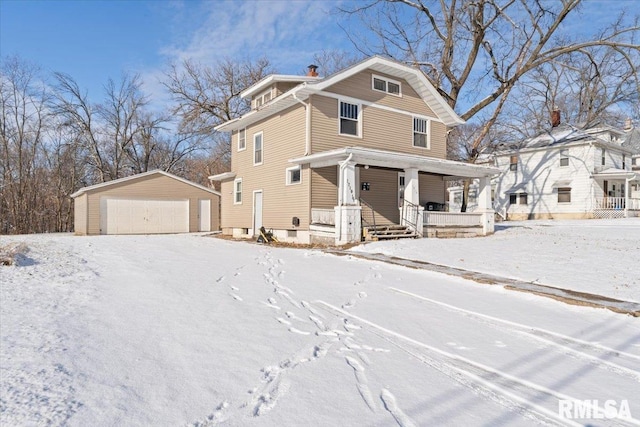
{"x":307,"y":110}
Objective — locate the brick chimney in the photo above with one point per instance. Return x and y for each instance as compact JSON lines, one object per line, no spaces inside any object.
{"x":628,"y":124}
{"x":312,"y":71}
{"x":555,"y":116}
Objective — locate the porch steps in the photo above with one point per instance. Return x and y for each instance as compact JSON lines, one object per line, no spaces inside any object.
{"x":387,"y":232}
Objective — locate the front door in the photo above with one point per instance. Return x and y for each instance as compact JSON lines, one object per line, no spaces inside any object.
{"x":257,"y":212}
{"x":204,"y":212}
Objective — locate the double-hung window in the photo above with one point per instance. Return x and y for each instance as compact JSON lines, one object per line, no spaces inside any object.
{"x":242,"y":139}
{"x":518,"y":198}
{"x":564,"y":158}
{"x":420,"y":132}
{"x":257,"y":149}
{"x":603,"y":156}
{"x":349,"y":119}
{"x":237,"y":191}
{"x":564,"y":195}
{"x":513,"y":163}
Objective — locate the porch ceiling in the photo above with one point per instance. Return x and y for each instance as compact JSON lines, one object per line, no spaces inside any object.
{"x":394,"y":160}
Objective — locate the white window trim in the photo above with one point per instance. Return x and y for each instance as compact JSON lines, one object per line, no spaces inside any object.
{"x":387,"y":81}
{"x":235,"y":191}
{"x":428,"y":147}
{"x":261,"y":98}
{"x":261,"y":148}
{"x":359,"y":127}
{"x":288,"y":175}
{"x":245,"y":139}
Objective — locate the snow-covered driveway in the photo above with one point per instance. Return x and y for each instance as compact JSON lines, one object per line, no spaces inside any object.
{"x":191,"y":330}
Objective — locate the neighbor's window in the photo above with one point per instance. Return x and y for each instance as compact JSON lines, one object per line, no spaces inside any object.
{"x":242,"y":139}
{"x":564,"y":157}
{"x":349,"y":118}
{"x":237,"y":191}
{"x":294,"y":175}
{"x":518,"y":198}
{"x":257,"y":148}
{"x":624,"y":161}
{"x":523,"y":198}
{"x":513,"y":163}
{"x":383,"y":84}
{"x":420,"y":132}
{"x":633,"y":161}
{"x":513,"y":198}
{"x":603,"y":159}
{"x":564,"y":195}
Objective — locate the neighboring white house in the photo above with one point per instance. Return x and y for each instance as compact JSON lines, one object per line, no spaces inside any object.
{"x":567,"y":173}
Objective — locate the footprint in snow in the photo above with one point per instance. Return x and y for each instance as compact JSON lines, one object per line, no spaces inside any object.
{"x":298,"y":331}
{"x":500,"y":344}
{"x":283,"y":321}
{"x":349,"y":304}
{"x":220,"y":279}
{"x":235,"y":288}
{"x":272,"y":300}
{"x":236,"y":297}
{"x":362,"y":294}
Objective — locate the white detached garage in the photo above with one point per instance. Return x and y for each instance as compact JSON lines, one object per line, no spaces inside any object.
{"x":154,"y":202}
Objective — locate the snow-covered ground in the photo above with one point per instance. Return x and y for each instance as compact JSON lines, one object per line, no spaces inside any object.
{"x":594,"y":256}
{"x":189,"y":330}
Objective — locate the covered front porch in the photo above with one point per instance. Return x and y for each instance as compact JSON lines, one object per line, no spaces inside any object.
{"x":378,"y":189}
{"x":617,"y":194}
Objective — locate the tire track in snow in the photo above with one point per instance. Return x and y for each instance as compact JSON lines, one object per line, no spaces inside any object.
{"x":507,"y":389}
{"x":594,"y":353}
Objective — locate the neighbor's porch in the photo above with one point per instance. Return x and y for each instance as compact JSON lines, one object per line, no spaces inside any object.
{"x":405,"y":208}
{"x":617,"y":194}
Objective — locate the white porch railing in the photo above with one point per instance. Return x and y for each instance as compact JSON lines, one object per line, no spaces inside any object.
{"x":609,"y":203}
{"x":323,"y":216}
{"x":452,"y":219}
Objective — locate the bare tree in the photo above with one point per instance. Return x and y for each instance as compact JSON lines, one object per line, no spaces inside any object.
{"x":477,"y":52}
{"x":206,"y":96}
{"x":24,"y":120}
{"x":332,"y":61}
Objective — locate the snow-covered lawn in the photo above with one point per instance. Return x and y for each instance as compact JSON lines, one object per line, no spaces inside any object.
{"x":189,"y":330}
{"x":594,"y":256}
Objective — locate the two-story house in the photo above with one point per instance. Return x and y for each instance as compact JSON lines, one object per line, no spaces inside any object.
{"x":568,"y":173}
{"x":324,"y":159}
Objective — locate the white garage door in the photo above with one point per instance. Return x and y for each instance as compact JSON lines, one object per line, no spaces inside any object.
{"x":143,"y":216}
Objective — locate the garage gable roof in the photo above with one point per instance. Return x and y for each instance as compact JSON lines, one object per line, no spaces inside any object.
{"x":141,"y":175}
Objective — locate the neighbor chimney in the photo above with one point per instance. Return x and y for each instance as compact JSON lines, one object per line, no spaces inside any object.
{"x":555,"y":117}
{"x":312,"y":71}
{"x":628,"y":124}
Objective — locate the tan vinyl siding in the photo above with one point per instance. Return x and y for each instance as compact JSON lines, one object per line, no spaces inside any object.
{"x":283,"y":138}
{"x":432,"y":189}
{"x":80,"y":215}
{"x":381,"y":129}
{"x":324,"y":187}
{"x":282,"y":87}
{"x":154,"y":187}
{"x":382,"y":196}
{"x":360,"y":86}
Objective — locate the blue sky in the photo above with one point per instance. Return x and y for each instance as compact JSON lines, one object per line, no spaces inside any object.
{"x":96,"y":40}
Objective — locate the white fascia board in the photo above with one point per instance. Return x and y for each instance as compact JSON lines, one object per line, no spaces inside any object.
{"x":140,"y":175}
{"x":222,"y":176}
{"x":381,"y":158}
{"x":274,"y":78}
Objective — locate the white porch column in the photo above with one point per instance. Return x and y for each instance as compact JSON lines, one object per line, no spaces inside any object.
{"x":626,"y":198}
{"x":412,"y":212}
{"x":411,"y":186}
{"x":347,"y":213}
{"x":484,"y":205}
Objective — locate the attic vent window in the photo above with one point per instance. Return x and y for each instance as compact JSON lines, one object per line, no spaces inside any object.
{"x":389,"y":86}
{"x":564,"y":158}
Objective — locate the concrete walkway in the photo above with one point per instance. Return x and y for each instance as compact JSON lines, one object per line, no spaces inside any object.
{"x":565,"y":295}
